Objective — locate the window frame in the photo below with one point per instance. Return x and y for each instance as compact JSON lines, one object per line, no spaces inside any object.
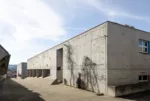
{"x":142,"y":46}
{"x":142,"y":80}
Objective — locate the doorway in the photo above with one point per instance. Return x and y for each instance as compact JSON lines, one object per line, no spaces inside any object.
{"x":59,"y":64}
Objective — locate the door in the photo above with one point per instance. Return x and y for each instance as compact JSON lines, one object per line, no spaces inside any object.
{"x":59,"y":61}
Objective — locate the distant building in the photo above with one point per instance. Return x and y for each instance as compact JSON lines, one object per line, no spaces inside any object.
{"x":12,"y":67}
{"x":110,"y":58}
{"x":22,"y":70}
{"x":4,"y":61}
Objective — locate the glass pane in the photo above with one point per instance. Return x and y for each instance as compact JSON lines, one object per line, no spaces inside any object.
{"x":143,"y":49}
{"x":145,"y":77}
{"x":146,"y":50}
{"x":140,"y":49}
{"x":145,"y":43}
{"x":140,"y":42}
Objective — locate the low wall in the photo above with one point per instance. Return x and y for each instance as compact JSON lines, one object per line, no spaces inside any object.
{"x":128,"y":89}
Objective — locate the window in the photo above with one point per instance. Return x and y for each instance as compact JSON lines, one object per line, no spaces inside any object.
{"x":143,"y":46}
{"x":143,"y":78}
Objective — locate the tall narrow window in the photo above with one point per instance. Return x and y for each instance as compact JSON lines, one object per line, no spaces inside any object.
{"x":143,"y":46}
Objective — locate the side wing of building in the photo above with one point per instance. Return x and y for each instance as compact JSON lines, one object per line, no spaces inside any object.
{"x":128,"y":55}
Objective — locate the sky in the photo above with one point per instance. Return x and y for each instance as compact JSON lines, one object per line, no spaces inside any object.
{"x":28,"y":27}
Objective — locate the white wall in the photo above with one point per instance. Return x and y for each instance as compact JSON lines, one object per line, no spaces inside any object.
{"x":125,"y":63}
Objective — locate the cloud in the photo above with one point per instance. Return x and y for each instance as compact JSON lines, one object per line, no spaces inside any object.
{"x":76,"y":28}
{"x":23,"y":21}
{"x":31,"y":18}
{"x":113,"y":12}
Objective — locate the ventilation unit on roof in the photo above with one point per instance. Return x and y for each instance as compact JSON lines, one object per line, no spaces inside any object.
{"x":129,"y":26}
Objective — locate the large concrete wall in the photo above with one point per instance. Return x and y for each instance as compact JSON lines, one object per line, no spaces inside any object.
{"x":85,"y":54}
{"x":125,"y":62}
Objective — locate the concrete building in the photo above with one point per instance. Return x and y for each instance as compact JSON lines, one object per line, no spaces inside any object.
{"x":4,"y":61}
{"x":110,"y":58}
{"x":22,"y":70}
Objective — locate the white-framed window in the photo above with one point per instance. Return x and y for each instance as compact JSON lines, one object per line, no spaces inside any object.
{"x":143,"y":78}
{"x":143,"y":46}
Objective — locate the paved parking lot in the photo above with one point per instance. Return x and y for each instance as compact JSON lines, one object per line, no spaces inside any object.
{"x":38,"y":89}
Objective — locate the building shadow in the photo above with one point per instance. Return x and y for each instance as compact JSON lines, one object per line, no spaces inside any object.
{"x":141,"y":96}
{"x":13,"y":91}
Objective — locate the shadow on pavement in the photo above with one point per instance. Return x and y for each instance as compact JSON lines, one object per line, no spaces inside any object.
{"x":12,"y":91}
{"x":141,"y":96}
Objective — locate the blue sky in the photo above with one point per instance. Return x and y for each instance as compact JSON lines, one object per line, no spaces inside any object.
{"x":28,"y":27}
